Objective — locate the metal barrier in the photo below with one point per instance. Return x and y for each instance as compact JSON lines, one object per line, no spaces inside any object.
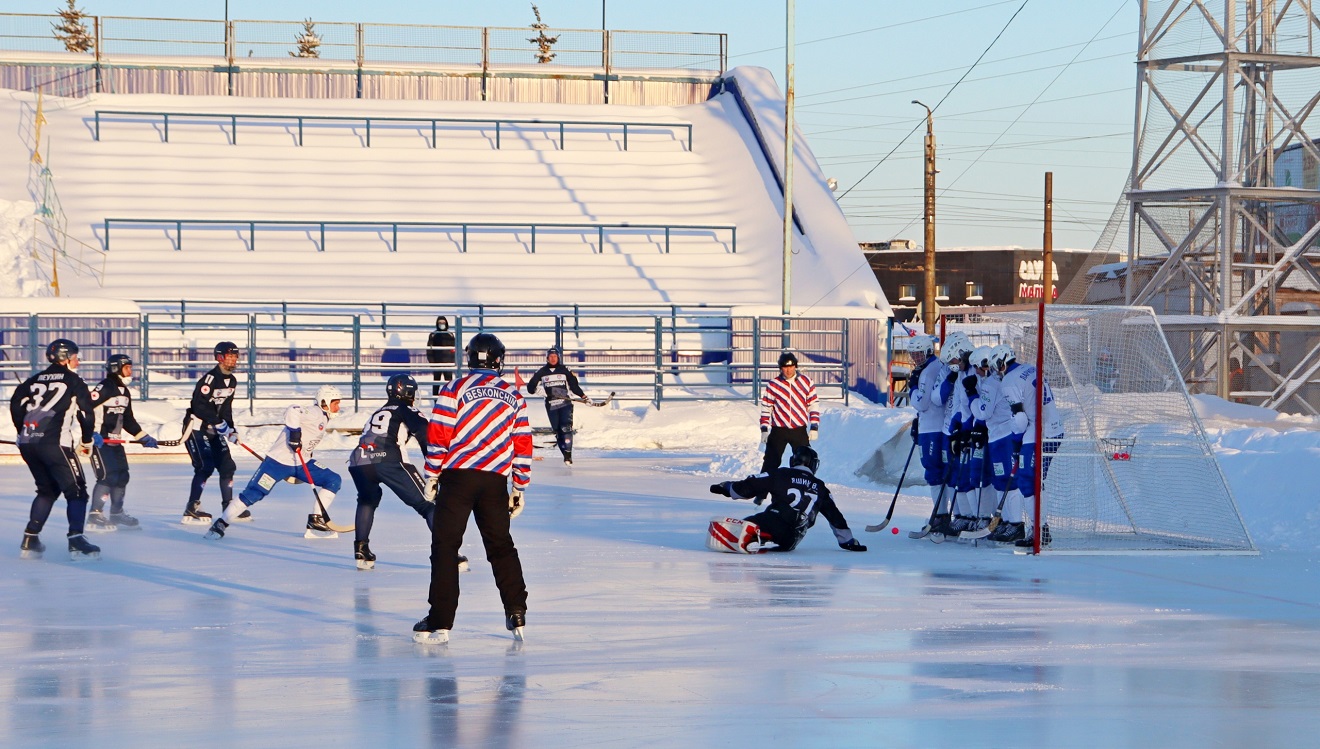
{"x":447,"y":227}
{"x":414,"y":122}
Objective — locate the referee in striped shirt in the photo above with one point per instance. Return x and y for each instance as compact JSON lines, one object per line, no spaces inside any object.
{"x":788,"y":409}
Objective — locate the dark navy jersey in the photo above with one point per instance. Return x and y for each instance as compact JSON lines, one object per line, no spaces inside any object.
{"x":796,"y":497}
{"x":115,"y":402}
{"x":212,"y":399}
{"x":557,"y":382}
{"x":52,"y":408}
{"x":385,"y":432}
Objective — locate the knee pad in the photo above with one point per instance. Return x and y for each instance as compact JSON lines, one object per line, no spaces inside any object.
{"x":734,"y":536}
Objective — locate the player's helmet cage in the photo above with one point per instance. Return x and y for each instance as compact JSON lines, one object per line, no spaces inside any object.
{"x":116,"y":363}
{"x":442,"y":323}
{"x":955,"y":347}
{"x":224,"y":348}
{"x":983,"y":357}
{"x":485,"y":351}
{"x":401,"y":387}
{"x":61,"y":350}
{"x":788,"y":359}
{"x":805,"y":457}
{"x":1001,"y":355}
{"x":327,"y":394}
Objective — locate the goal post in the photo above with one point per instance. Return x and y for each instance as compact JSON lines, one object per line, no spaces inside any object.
{"x":1134,"y":471}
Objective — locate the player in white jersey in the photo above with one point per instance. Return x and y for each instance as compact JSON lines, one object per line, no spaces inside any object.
{"x":981,"y":388}
{"x":956,"y":354}
{"x":290,"y":457}
{"x":930,"y":397}
{"x":1018,"y":394}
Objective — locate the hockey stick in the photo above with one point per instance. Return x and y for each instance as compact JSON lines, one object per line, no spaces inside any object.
{"x":159,"y":443}
{"x":324,"y":512}
{"x":939,"y":501}
{"x":889,"y":515}
{"x":999,"y":509}
{"x":603,"y":402}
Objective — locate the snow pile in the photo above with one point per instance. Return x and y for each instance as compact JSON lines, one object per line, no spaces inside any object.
{"x":19,"y":276}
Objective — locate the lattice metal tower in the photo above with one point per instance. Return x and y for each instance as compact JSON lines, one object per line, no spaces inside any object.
{"x":1225,"y":192}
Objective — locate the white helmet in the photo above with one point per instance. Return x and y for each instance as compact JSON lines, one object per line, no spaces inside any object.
{"x":327,"y":394}
{"x":1001,"y":355}
{"x":982,"y":357}
{"x":954,"y":347}
{"x":923,"y":345}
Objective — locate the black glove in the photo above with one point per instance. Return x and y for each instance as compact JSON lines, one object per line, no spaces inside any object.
{"x":980,"y":435}
{"x":294,"y":440}
{"x":952,"y":377}
{"x":852,"y":545}
{"x":721,"y":489}
{"x":969,"y":384}
{"x":915,"y":431}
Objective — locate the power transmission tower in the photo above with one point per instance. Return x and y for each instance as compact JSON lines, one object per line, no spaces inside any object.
{"x":1225,"y":192}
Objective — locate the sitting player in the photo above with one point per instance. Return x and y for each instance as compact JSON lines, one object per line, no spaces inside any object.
{"x":304,"y":428}
{"x":796,"y":496}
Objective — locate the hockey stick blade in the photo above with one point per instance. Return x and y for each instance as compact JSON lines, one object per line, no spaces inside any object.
{"x":873,"y":528}
{"x":972,"y":535}
{"x":337,"y":528}
{"x":919,"y":534}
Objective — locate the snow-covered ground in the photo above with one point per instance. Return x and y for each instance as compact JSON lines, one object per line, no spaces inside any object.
{"x":638,"y":636}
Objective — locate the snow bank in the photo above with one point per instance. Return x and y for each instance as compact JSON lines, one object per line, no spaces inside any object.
{"x":19,"y":276}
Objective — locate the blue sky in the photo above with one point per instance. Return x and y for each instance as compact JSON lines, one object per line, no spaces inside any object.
{"x":1054,"y":93}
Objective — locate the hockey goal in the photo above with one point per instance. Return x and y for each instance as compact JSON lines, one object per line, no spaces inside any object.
{"x":1134,"y":471}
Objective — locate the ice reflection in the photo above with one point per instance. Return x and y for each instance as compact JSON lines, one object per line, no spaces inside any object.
{"x":785,"y":585}
{"x":483,"y":715}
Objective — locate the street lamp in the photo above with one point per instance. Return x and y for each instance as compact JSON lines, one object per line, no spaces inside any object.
{"x":928,"y":216}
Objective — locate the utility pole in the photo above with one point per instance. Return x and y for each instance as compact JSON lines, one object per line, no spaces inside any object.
{"x":788,"y":165}
{"x":1047,"y":244}
{"x":928,"y":215}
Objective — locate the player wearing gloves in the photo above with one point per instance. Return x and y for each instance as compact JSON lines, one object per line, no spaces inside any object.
{"x":796,"y":496}
{"x":113,"y":403}
{"x":956,"y":354}
{"x":209,"y":424}
{"x":478,"y":440}
{"x":788,"y":412}
{"x":1017,"y":394}
{"x":930,"y":397}
{"x":44,"y":410}
{"x":558,"y":383}
{"x":290,"y":457}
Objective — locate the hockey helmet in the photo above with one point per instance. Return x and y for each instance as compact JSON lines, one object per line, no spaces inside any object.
{"x":553,"y":351}
{"x":788,"y":359}
{"x":442,"y":323}
{"x":983,"y":357}
{"x":401,"y":387}
{"x":327,"y":394}
{"x":1001,"y":356}
{"x":225,"y":348}
{"x":61,"y":350}
{"x":956,"y":346}
{"x":116,"y":363}
{"x":485,"y":351}
{"x":805,"y":457}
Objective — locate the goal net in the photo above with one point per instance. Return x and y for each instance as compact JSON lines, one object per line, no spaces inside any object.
{"x":1134,"y":471}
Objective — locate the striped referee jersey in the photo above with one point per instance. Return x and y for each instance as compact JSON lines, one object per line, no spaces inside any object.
{"x":479,"y":422}
{"x":790,"y":403}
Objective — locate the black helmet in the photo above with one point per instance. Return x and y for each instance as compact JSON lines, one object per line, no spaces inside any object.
{"x":442,"y":323}
{"x":553,"y":350}
{"x":401,"y":387}
{"x":225,"y":347}
{"x":61,"y":350}
{"x":806,"y":457}
{"x":787,"y":358}
{"x":485,"y":351}
{"x":116,"y":363}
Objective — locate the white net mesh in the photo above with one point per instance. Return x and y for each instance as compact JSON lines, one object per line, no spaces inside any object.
{"x":1134,"y":471}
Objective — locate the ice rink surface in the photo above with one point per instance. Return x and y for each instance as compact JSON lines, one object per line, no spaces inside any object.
{"x":637,"y":636}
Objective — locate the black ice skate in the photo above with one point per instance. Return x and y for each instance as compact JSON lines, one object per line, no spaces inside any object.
{"x":80,"y":549}
{"x":568,"y":458}
{"x":217,"y":529}
{"x":125,"y":522}
{"x":1007,"y":533}
{"x":362,"y":553}
{"x":424,"y":635}
{"x":194,"y":515}
{"x":514,"y":621}
{"x":1028,"y":541}
{"x":316,"y":528}
{"x":97,"y":522}
{"x":31,"y":548}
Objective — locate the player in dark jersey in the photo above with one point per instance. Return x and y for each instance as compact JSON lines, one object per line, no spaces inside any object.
{"x":560,"y":385}
{"x":112,"y":399}
{"x":209,"y":423}
{"x":796,"y":497}
{"x":52,"y":410}
{"x":378,"y":459}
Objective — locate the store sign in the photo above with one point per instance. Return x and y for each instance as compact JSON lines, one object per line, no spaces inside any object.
{"x":1036,"y":291}
{"x":1034,"y":270}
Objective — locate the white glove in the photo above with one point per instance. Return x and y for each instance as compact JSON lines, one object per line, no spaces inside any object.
{"x":516,"y":503}
{"x":765,"y":435}
{"x":432,"y":488}
{"x":230,"y":433}
{"x":812,"y":434}
{"x":85,"y":449}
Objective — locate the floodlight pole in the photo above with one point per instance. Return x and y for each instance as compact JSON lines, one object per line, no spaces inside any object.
{"x":788,"y":163}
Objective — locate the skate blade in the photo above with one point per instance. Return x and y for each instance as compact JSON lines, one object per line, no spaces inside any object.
{"x":101,"y":528}
{"x":29,"y":554}
{"x":937,"y":538}
{"x":212,"y":535}
{"x":363,"y":564}
{"x":518,"y":634}
{"x":463,"y":567}
{"x":438,"y":637}
{"x":242,"y":519}
{"x":195,"y":521}
{"x":78,"y":556}
{"x":309,"y":533}
{"x":137,"y":527}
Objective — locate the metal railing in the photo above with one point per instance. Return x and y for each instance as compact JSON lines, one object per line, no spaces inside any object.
{"x":463,"y":228}
{"x":412,"y":123}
